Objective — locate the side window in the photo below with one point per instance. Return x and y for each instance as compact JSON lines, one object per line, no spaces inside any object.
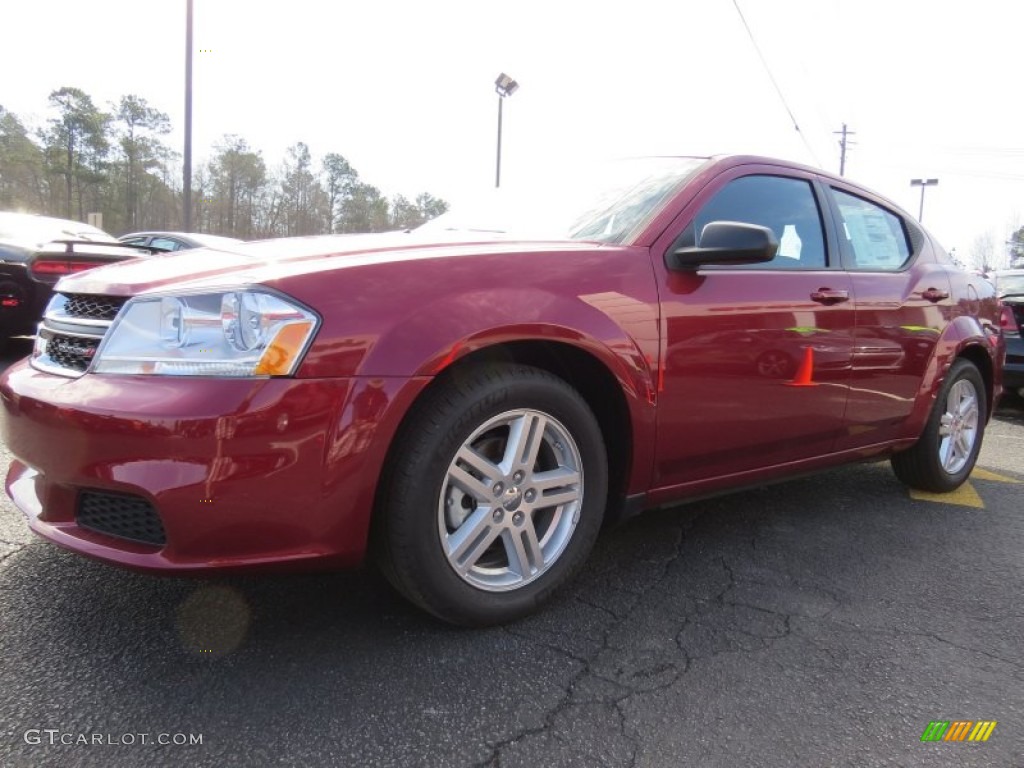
{"x":877,"y":239}
{"x":786,"y":206}
{"x":166,"y":244}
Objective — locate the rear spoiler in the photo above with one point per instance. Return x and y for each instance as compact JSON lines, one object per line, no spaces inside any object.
{"x":70,"y":246}
{"x":47,"y":265}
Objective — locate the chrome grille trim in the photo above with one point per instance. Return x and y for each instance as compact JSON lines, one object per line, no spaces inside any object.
{"x":92,"y":307}
{"x":72,"y":329}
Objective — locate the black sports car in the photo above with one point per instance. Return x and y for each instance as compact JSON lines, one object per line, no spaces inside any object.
{"x":22,"y":236}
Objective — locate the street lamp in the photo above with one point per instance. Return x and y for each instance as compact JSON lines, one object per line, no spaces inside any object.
{"x":504,"y":86}
{"x":922,"y":183}
{"x":186,"y":197}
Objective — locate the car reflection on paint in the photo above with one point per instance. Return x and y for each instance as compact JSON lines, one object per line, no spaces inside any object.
{"x":771,"y":354}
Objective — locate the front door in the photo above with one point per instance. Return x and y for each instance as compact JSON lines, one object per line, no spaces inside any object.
{"x":756,"y":359}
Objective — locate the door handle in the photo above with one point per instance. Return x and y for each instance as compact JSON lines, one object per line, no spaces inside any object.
{"x":935,"y":294}
{"x":828,"y":296}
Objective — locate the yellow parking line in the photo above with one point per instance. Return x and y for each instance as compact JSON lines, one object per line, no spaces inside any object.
{"x":984,"y":474}
{"x":964,"y":496}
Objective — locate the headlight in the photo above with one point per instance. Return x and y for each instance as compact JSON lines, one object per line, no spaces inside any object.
{"x":234,"y":333}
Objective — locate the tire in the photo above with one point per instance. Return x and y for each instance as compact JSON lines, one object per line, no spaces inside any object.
{"x":944,"y":456}
{"x":463,"y":526}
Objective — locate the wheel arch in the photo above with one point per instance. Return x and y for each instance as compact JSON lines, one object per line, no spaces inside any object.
{"x":603,"y":392}
{"x":981,"y":360}
{"x":964,"y":338}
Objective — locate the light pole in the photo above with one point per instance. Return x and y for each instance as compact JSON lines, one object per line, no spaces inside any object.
{"x":187,"y":159}
{"x":504,"y":86}
{"x":923,"y":183}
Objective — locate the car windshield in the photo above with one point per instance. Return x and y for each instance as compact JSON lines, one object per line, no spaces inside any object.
{"x":1010,"y":285}
{"x":608,"y":203}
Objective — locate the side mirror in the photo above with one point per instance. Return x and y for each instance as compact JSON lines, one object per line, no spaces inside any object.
{"x":727,"y":242}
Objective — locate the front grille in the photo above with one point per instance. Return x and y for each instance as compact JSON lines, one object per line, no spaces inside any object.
{"x":91,"y":307}
{"x":71,"y":351}
{"x":124,"y":517}
{"x":72,"y":330}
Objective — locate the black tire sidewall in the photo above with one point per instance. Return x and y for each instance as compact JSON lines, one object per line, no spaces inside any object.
{"x":422,"y":564}
{"x":921,"y":465}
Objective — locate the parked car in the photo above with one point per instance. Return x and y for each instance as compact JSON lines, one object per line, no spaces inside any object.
{"x":1010,"y":288}
{"x":68,"y":257}
{"x":472,"y":408}
{"x":177,"y":241}
{"x":22,"y":235}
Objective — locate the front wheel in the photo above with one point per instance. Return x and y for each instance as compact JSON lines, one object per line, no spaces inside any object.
{"x":494,"y":495}
{"x":945,"y":455}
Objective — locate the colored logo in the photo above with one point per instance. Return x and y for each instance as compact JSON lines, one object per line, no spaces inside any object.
{"x":958,"y":730}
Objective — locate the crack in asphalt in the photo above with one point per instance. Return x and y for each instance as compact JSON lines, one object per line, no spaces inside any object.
{"x":765,"y":640}
{"x":16,"y":549}
{"x":602,"y":608}
{"x":568,"y":698}
{"x":1017,"y":664}
{"x":630,"y":683}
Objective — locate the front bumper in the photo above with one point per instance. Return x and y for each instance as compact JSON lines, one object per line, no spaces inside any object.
{"x":21,"y":302}
{"x":243,"y":473}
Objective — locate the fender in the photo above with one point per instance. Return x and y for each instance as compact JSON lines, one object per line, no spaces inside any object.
{"x":414,"y":318}
{"x":441,"y":333}
{"x":962,"y":333}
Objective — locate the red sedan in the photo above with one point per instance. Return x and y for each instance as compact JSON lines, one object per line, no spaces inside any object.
{"x":471,"y":407}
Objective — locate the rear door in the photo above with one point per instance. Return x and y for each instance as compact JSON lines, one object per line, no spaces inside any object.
{"x":902,"y":299}
{"x":756,"y":359}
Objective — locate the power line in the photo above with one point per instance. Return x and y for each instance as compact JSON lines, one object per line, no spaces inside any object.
{"x":771,"y":77}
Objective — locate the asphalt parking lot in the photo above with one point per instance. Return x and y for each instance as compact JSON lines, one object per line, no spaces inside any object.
{"x":824,"y":622}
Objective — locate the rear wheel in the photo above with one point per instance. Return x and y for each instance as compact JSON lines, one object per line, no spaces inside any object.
{"x":945,"y":455}
{"x":494,"y":496}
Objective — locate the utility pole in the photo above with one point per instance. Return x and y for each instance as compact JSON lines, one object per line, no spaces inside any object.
{"x":843,"y":144}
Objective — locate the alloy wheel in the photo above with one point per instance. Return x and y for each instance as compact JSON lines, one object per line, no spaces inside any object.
{"x":511,"y":500}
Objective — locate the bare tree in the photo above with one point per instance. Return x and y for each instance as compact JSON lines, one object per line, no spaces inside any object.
{"x":984,"y":255}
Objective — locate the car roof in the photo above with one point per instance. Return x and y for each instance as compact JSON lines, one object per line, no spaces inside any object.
{"x":31,"y":230}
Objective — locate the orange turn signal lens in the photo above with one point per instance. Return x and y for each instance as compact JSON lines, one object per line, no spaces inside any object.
{"x":280,"y":355}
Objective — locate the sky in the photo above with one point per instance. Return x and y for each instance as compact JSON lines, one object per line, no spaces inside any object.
{"x":404,"y":89}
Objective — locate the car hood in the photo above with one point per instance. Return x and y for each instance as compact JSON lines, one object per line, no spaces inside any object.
{"x":271,"y":260}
